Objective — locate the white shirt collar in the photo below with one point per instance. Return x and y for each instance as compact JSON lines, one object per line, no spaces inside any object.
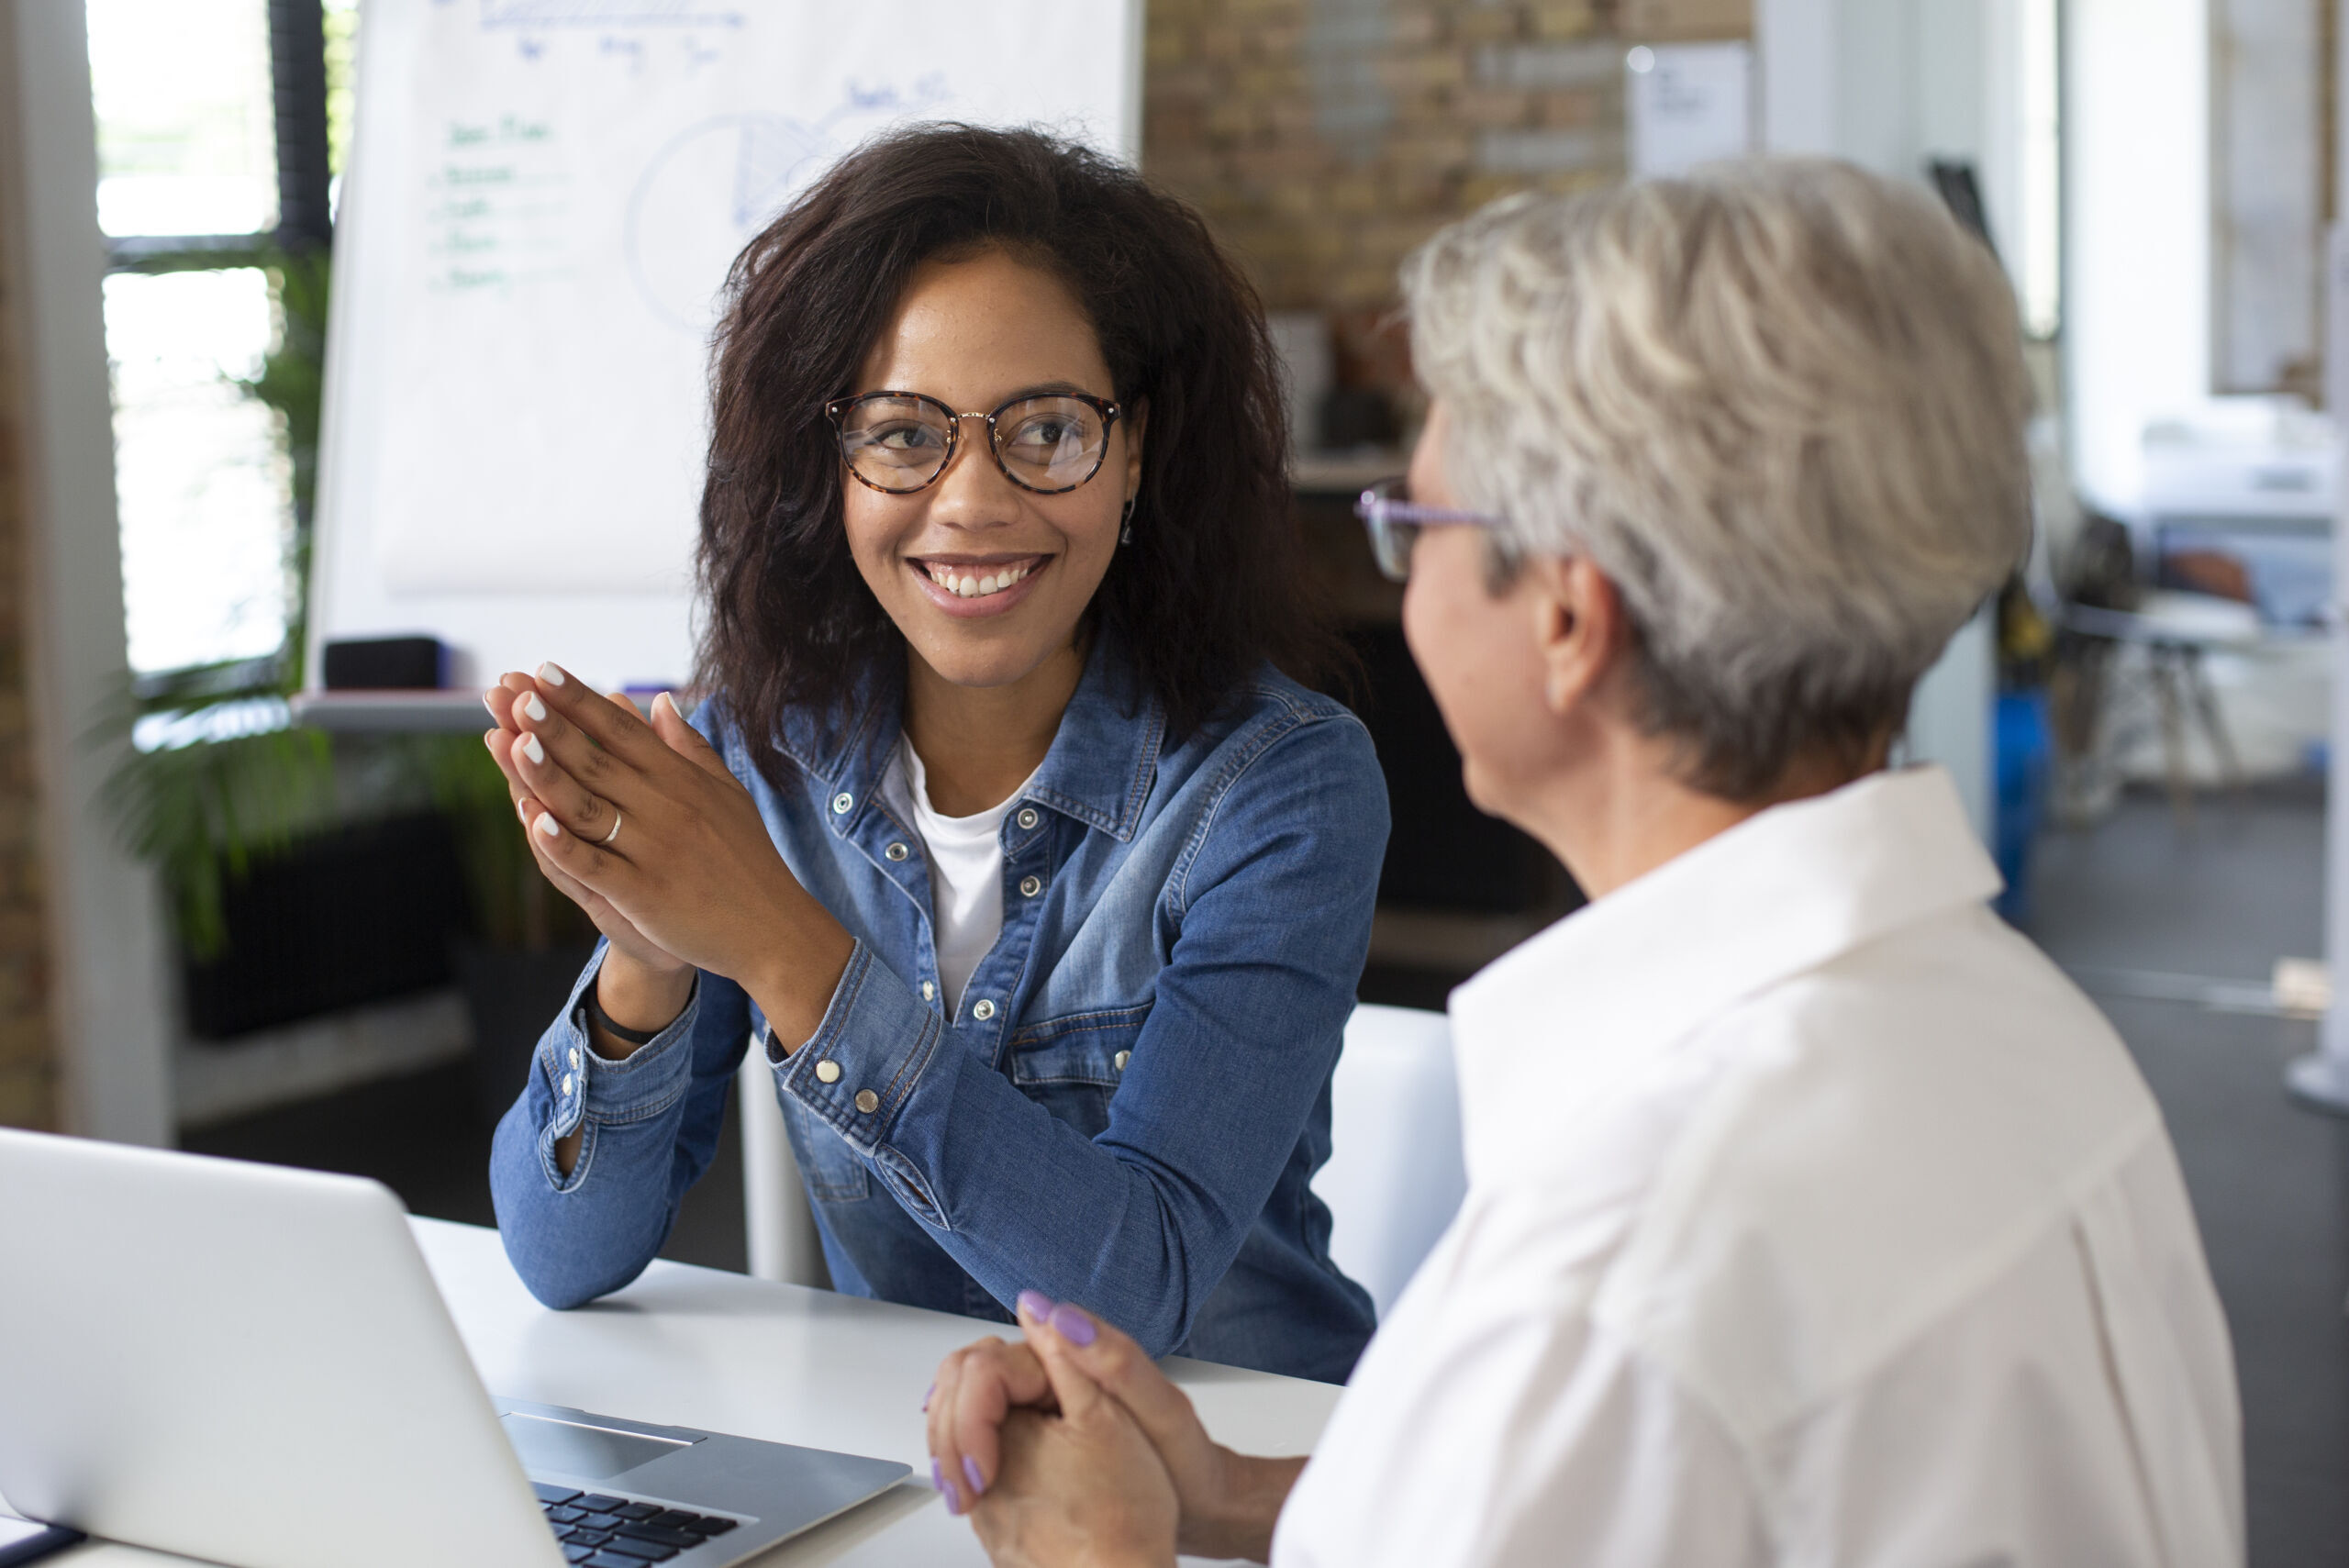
{"x":1593,"y":997}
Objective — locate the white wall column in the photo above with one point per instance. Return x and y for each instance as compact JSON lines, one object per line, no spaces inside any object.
{"x":1888,"y":84}
{"x":2322,"y":1077}
{"x":108,"y":1001}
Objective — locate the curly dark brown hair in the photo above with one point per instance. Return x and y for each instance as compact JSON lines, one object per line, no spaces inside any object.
{"x":1214,"y":583}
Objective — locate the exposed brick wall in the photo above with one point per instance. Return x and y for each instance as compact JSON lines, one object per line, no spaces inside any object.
{"x":27,"y":1071}
{"x":1325,"y":139}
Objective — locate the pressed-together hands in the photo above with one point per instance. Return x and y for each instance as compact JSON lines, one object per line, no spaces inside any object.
{"x":1073,"y":1447}
{"x":690,"y":881}
{"x":1070,"y":1448}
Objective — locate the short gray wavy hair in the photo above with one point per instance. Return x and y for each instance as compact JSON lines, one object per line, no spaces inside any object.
{"x":1780,"y":404}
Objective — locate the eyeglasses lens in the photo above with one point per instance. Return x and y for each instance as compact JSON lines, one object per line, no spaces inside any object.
{"x":895,"y":443}
{"x":1044,"y":443}
{"x":1392,"y":542}
{"x":1051,"y":443}
{"x":1390,"y":537}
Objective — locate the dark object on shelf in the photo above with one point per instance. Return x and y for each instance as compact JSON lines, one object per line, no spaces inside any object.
{"x":356,"y":914}
{"x":1441,"y":852}
{"x":1962,"y":192}
{"x":512,"y":994}
{"x":386,"y":664}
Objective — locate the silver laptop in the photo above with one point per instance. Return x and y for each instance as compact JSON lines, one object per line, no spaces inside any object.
{"x":251,"y":1364}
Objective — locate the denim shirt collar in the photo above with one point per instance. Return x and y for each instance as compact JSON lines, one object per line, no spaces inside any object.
{"x":1098,"y":771}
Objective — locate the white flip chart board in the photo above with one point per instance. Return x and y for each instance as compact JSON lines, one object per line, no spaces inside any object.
{"x":542,"y":200}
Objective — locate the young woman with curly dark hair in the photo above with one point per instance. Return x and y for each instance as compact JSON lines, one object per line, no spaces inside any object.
{"x":1045,"y":890}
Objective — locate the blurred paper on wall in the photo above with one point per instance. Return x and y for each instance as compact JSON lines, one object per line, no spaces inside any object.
{"x":1687,"y":104}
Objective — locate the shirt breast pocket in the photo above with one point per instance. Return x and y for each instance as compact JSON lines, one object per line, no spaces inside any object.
{"x":833,"y":1171}
{"x":1072,"y":1065}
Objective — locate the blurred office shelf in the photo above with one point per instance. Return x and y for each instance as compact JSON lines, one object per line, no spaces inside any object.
{"x":1448,"y":942}
{"x":356,"y":914}
{"x":510,"y":996}
{"x":1346,"y":474}
{"x":337,"y":972}
{"x":214,"y":1081}
{"x":1458,"y":888}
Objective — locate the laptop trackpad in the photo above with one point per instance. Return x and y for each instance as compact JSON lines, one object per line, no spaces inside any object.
{"x":568,"y":1448}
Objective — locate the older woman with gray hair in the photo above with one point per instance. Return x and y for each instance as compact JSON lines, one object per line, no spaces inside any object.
{"x":1813,"y":1216}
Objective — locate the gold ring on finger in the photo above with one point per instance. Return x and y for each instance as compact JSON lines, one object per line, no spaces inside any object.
{"x":616,"y":820}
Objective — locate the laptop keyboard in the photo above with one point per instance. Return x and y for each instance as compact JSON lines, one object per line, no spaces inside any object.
{"x":602,"y":1532}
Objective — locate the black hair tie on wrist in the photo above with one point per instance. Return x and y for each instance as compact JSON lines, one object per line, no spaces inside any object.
{"x":596,"y":1012}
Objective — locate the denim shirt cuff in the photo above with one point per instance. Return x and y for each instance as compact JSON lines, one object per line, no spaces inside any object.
{"x":860,"y":1067}
{"x":584,"y":1084}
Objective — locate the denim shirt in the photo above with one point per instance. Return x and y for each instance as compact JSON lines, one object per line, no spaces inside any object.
{"x":1128,"y":1111}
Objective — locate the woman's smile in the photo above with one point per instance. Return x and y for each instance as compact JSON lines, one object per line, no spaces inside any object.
{"x":968,"y":585}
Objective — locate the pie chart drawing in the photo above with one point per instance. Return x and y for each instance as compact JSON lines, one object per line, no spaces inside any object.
{"x":704,"y":195}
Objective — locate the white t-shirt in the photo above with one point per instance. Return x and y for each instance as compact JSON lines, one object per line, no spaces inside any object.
{"x":966,"y":869}
{"x":1813,"y":1217}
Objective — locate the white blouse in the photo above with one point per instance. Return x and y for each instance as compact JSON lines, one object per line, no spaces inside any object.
{"x":965,"y":856}
{"x":1813,"y":1217}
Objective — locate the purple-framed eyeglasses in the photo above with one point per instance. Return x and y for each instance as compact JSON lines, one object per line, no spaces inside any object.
{"x":1394,"y":521}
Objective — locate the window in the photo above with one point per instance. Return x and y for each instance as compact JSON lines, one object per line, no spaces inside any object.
{"x":214,"y":159}
{"x":201,"y":477}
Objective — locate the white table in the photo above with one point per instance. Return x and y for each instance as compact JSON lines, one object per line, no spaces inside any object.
{"x":699,"y":1347}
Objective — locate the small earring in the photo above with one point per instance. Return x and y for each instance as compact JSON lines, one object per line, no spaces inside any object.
{"x":1126,"y":523}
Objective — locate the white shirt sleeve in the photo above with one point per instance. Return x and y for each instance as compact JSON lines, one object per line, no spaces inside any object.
{"x":1519,"y":1440}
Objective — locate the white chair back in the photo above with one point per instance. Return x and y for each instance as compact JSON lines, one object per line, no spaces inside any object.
{"x":780,"y":1226}
{"x":1395,"y":1175}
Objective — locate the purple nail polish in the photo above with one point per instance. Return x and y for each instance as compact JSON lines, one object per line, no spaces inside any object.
{"x":1073,"y":1326}
{"x":971,"y":1469}
{"x":1035,"y":1304}
{"x":927,"y":1395}
{"x":937,"y":1478}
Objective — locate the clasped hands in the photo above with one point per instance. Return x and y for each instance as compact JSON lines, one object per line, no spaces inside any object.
{"x":692,"y":879}
{"x":1072,"y":1447}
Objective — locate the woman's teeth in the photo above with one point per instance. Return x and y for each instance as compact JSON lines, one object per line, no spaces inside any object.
{"x":964,"y":585}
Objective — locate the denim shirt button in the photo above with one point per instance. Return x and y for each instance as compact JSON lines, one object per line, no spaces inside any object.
{"x":575,"y":1059}
{"x":1027,"y":818}
{"x":566,"y":1082}
{"x":929,"y":991}
{"x":982,"y":1009}
{"x":1031,"y":886}
{"x":828,"y":1071}
{"x":842,"y":802}
{"x":896,"y":852}
{"x":1121,"y":1058}
{"x":867,"y":1102}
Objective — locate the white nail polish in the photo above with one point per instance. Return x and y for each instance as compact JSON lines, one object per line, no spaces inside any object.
{"x":535,"y":709}
{"x":537,"y":754}
{"x":486,"y":703}
{"x":548,"y":825}
{"x":520,"y":815}
{"x":550,"y":675}
{"x":665,"y":697}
